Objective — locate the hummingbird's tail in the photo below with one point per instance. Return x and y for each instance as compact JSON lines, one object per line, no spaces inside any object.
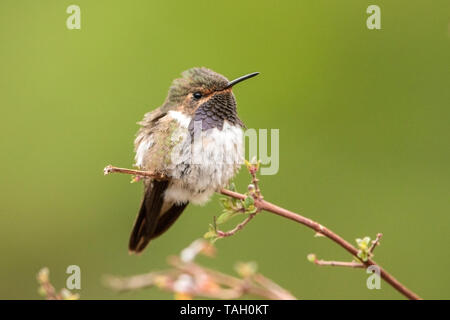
{"x":151,"y":221}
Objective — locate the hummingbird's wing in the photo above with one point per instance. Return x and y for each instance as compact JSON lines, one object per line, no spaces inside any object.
{"x":153,"y":153}
{"x":148,"y":125}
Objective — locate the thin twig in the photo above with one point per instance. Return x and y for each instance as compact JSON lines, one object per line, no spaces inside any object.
{"x":375,"y":243}
{"x":223,"y":234}
{"x":150,"y":174}
{"x":351,"y":264}
{"x":200,"y":281}
{"x":47,"y":290}
{"x":282,"y":293}
{"x":255,"y":182}
{"x":240,"y":285}
{"x":267,"y":206}
{"x":140,"y":281}
{"x":255,"y":192}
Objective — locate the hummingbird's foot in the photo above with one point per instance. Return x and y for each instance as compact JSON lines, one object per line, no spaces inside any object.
{"x":139,"y":173}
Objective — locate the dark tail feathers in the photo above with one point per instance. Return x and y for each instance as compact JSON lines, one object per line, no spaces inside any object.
{"x":150,"y":221}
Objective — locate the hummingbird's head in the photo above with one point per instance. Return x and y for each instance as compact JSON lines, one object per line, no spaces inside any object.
{"x":203,"y":87}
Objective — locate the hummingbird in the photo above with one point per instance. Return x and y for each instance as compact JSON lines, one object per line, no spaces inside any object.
{"x":195,"y":142}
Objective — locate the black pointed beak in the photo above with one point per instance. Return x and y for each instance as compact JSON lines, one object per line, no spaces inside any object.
{"x":240,"y":79}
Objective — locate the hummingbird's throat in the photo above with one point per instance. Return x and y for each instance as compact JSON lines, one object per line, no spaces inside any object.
{"x":214,"y":111}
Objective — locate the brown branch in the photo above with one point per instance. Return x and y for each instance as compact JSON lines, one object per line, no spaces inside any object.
{"x":149,"y":174}
{"x":223,"y":234}
{"x":201,"y":281}
{"x":240,"y":286}
{"x":320,"y":229}
{"x":267,"y":206}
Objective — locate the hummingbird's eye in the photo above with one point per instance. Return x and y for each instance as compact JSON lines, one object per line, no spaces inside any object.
{"x":197,"y":95}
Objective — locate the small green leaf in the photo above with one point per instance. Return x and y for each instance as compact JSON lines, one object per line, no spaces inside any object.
{"x":363,"y":255}
{"x":363,"y":245}
{"x":248,"y":202}
{"x":224,"y":217}
{"x":212,"y":233}
{"x":227,"y":204}
{"x":251,"y":209}
{"x":209,"y":235}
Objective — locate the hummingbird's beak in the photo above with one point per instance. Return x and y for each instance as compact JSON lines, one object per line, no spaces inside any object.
{"x":240,"y":79}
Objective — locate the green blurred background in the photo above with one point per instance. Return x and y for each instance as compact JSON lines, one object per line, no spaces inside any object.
{"x":364,"y":136}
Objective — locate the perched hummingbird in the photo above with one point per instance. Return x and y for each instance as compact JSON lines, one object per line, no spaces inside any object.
{"x":195,"y":141}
